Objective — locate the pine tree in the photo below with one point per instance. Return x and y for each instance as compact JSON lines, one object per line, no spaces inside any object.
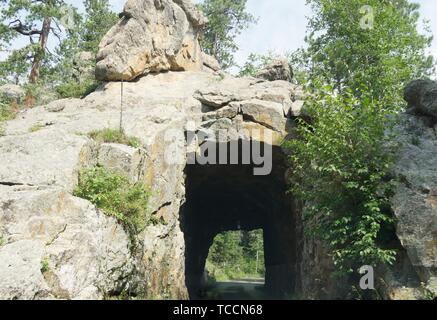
{"x":227,"y":19}
{"x":99,"y":19}
{"x":37,"y":21}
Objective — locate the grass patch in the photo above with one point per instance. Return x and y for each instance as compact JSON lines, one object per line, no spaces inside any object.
{"x":45,"y":266}
{"x":36,"y":128}
{"x":8,"y":110}
{"x":117,"y":196}
{"x":114,"y":136}
{"x":77,"y":90}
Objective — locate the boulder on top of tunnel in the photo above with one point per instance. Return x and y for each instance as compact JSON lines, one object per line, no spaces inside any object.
{"x":152,"y":36}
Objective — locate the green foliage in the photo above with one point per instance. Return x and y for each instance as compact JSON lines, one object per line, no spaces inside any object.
{"x":98,"y":21}
{"x":340,"y":167}
{"x":383,"y":57}
{"x":75,"y":89}
{"x":2,"y":241}
{"x":237,"y":255}
{"x":36,"y":128}
{"x":85,"y":37}
{"x":341,"y":160}
{"x":227,"y":19}
{"x":114,"y":136}
{"x":24,"y":19}
{"x":8,"y":110}
{"x":45,"y":266}
{"x":428,"y":294}
{"x":254,"y":63}
{"x":117,"y":197}
{"x":59,"y":69}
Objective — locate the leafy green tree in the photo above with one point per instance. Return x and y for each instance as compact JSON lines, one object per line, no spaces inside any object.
{"x":340,"y":164}
{"x":236,"y":255}
{"x":374,"y":43}
{"x":227,"y":19}
{"x":360,"y":55}
{"x":36,"y":20}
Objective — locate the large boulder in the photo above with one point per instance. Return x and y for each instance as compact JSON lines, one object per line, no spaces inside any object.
{"x":152,"y":36}
{"x":421,"y":96}
{"x":278,"y":69}
{"x":12,"y":92}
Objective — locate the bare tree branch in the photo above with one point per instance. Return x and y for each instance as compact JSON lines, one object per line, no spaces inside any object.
{"x":22,"y":29}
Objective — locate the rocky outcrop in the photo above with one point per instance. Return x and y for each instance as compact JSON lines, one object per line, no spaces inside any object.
{"x":56,"y":246}
{"x":83,"y":66}
{"x":421,"y":96}
{"x":12,"y":92}
{"x":77,"y":251}
{"x":152,"y":36}
{"x":415,"y":200}
{"x":278,"y":69}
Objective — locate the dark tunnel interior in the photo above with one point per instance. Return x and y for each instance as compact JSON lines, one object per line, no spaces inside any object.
{"x":230,"y":197}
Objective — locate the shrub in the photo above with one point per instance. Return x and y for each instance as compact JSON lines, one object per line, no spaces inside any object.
{"x":114,"y":136}
{"x":8,"y":110}
{"x":75,"y":89}
{"x":45,"y":266}
{"x":117,"y":197}
{"x":340,"y":170}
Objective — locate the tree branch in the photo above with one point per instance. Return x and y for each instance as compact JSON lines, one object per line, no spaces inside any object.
{"x":22,"y":29}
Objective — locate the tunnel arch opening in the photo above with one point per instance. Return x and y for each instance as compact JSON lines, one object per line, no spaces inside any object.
{"x":226,"y":197}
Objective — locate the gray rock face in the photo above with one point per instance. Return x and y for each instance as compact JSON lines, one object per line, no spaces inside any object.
{"x":237,"y":90}
{"x":83,"y":66}
{"x":210,"y":62}
{"x":421,"y":96}
{"x":278,"y":69}
{"x":87,"y":252}
{"x":59,"y":246}
{"x":122,"y":159}
{"x":152,"y":36}
{"x":415,"y":200}
{"x":12,"y":92}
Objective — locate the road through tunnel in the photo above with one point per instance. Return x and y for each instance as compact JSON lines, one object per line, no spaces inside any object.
{"x":230,"y":197}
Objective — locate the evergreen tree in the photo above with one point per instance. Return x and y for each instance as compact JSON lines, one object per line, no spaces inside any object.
{"x":227,"y":19}
{"x":84,"y":37}
{"x":35,"y":20}
{"x":99,"y":19}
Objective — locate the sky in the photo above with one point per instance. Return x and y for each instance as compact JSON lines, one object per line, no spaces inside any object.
{"x":282,"y":24}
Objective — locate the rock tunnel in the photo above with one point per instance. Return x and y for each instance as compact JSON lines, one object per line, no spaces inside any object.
{"x":230,"y":197}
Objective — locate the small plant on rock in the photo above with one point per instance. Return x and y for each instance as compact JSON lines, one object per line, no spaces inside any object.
{"x":45,"y":266}
{"x":117,"y":197}
{"x":114,"y":136}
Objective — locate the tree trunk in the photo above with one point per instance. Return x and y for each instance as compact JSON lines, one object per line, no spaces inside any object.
{"x":39,"y":56}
